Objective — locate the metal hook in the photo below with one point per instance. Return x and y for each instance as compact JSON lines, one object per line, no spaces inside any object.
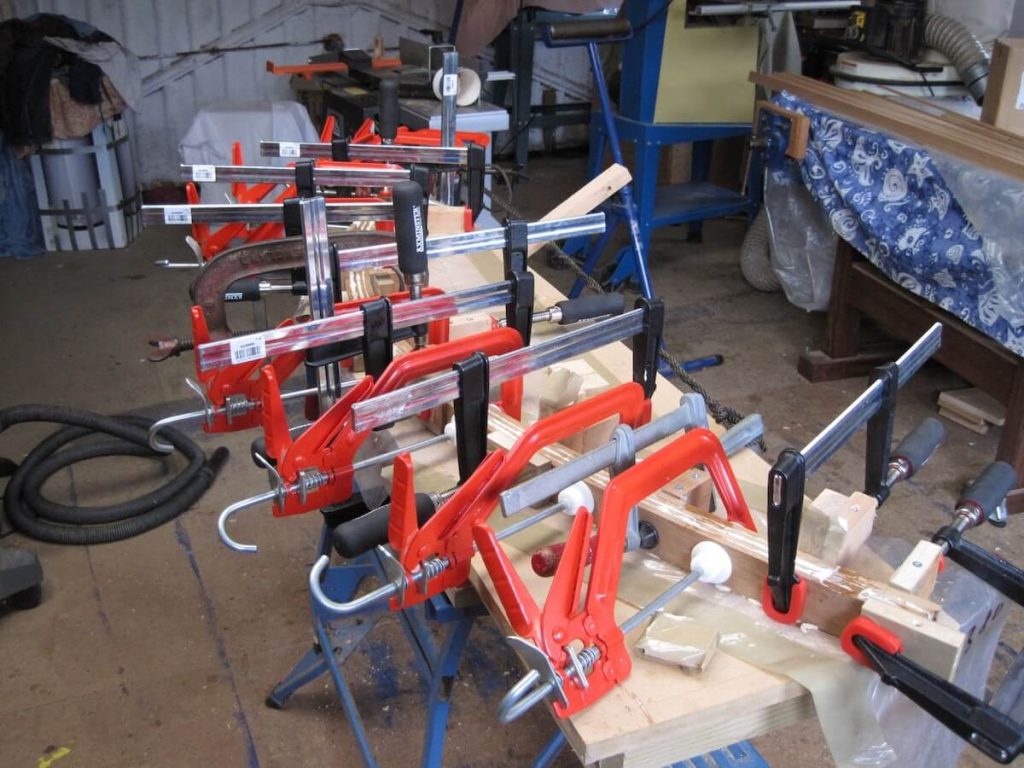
{"x":233,"y":509}
{"x":206,"y":413}
{"x":536,"y":685}
{"x":379,"y":595}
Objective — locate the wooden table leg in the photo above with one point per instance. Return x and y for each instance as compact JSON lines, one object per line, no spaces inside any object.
{"x":1011,"y":444}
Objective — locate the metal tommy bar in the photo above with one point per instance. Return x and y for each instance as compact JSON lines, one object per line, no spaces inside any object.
{"x":739,"y":9}
{"x":349,"y":325}
{"x":403,"y":403}
{"x":326,"y":177}
{"x":256,"y":213}
{"x":378,"y":153}
{"x":836,"y":434}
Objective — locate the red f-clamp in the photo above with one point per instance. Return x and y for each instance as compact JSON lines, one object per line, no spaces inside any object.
{"x":577,"y":677}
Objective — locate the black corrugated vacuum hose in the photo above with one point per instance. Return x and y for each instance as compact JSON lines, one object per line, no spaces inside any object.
{"x":35,"y":516}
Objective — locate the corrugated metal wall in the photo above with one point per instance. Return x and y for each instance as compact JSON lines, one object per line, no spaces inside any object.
{"x":176,"y":88}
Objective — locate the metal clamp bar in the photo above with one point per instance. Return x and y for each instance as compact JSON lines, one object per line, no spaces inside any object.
{"x":690,"y":413}
{"x":349,"y":325}
{"x":322,"y":176}
{"x":375,"y":153}
{"x":836,"y":434}
{"x":256,"y":213}
{"x":402,"y":403}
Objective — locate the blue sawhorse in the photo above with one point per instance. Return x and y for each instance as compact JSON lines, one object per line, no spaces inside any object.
{"x":336,"y":639}
{"x":740,"y":755}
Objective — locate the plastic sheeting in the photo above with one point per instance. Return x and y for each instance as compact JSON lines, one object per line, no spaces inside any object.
{"x":938,"y":228}
{"x":20,"y":233}
{"x":214,"y":130}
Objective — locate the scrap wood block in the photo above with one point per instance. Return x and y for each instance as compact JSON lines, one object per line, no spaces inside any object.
{"x":975,"y":426}
{"x":974,"y":405}
{"x":834,"y":526}
{"x":917,"y":574}
{"x":461,"y":326}
{"x":561,"y":389}
{"x":932,"y":644}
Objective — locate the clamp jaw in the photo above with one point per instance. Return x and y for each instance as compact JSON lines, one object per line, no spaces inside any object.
{"x":993,"y":732}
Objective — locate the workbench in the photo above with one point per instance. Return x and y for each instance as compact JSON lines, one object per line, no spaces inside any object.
{"x":659,"y":715}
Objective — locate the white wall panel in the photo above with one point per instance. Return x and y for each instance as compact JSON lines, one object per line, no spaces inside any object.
{"x":177,"y":88}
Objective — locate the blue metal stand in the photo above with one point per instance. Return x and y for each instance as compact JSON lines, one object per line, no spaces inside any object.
{"x":645,"y":206}
{"x":739,"y":755}
{"x":336,"y":639}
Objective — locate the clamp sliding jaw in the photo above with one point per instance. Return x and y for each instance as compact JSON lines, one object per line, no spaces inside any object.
{"x":578,"y":654}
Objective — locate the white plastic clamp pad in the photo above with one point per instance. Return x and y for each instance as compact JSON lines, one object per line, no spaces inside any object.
{"x":713,"y":561}
{"x":575,"y":496}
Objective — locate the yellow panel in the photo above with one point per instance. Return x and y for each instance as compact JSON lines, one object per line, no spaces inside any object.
{"x":704,"y":72}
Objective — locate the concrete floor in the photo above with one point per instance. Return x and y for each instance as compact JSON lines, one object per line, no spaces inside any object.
{"x":159,"y":650}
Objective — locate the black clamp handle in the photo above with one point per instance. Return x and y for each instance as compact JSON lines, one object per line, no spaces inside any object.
{"x":516,"y":245}
{"x":978,"y":723}
{"x":378,"y":336}
{"x":918,"y":446}
{"x":291,"y":216}
{"x":474,"y":374}
{"x":305,"y":181}
{"x":590,"y":307}
{"x":785,"y":508}
{"x":647,"y":344}
{"x":879,"y":433}
{"x":339,"y":150}
{"x":387,"y":110}
{"x":359,"y":536}
{"x":410,"y":227}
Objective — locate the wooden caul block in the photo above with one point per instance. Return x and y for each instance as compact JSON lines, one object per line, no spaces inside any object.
{"x":917,"y":574}
{"x":974,"y":405}
{"x":975,"y":426}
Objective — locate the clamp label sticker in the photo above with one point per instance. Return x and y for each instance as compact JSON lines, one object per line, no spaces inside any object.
{"x":248,"y":348}
{"x":288,"y":149}
{"x":204,"y":173}
{"x":450,"y":85}
{"x":120,"y":129}
{"x":177,"y":214}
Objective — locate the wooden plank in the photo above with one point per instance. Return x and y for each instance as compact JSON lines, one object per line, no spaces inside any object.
{"x":931,"y":644}
{"x":976,"y":145}
{"x":799,"y":128}
{"x":975,"y":426}
{"x":834,"y":594}
{"x":973,"y":404}
{"x":917,"y":574}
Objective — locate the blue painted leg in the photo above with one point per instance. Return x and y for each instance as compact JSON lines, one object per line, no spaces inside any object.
{"x":551,"y":751}
{"x":626,"y":193}
{"x":439,"y":700}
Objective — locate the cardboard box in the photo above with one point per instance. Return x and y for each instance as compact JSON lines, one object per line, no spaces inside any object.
{"x":1004,"y":100}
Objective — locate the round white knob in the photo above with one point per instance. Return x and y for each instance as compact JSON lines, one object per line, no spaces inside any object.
{"x":713,"y":562}
{"x":449,"y":430}
{"x":575,"y":496}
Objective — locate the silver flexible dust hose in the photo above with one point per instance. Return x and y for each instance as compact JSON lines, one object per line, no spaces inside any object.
{"x":958,"y":43}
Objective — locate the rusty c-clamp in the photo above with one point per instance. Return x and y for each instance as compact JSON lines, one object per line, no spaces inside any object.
{"x":576,"y":654}
{"x":316,"y":469}
{"x":435,"y":555}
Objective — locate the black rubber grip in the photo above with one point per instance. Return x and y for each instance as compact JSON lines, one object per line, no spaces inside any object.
{"x":991,"y":487}
{"x":410,"y":228}
{"x":917,"y":447}
{"x":358,"y":536}
{"x":246,"y":289}
{"x":589,"y":29}
{"x":589,"y":307}
{"x":387,"y":115}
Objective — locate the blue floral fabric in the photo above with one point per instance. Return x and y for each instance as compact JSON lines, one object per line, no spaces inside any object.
{"x":889,"y":200}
